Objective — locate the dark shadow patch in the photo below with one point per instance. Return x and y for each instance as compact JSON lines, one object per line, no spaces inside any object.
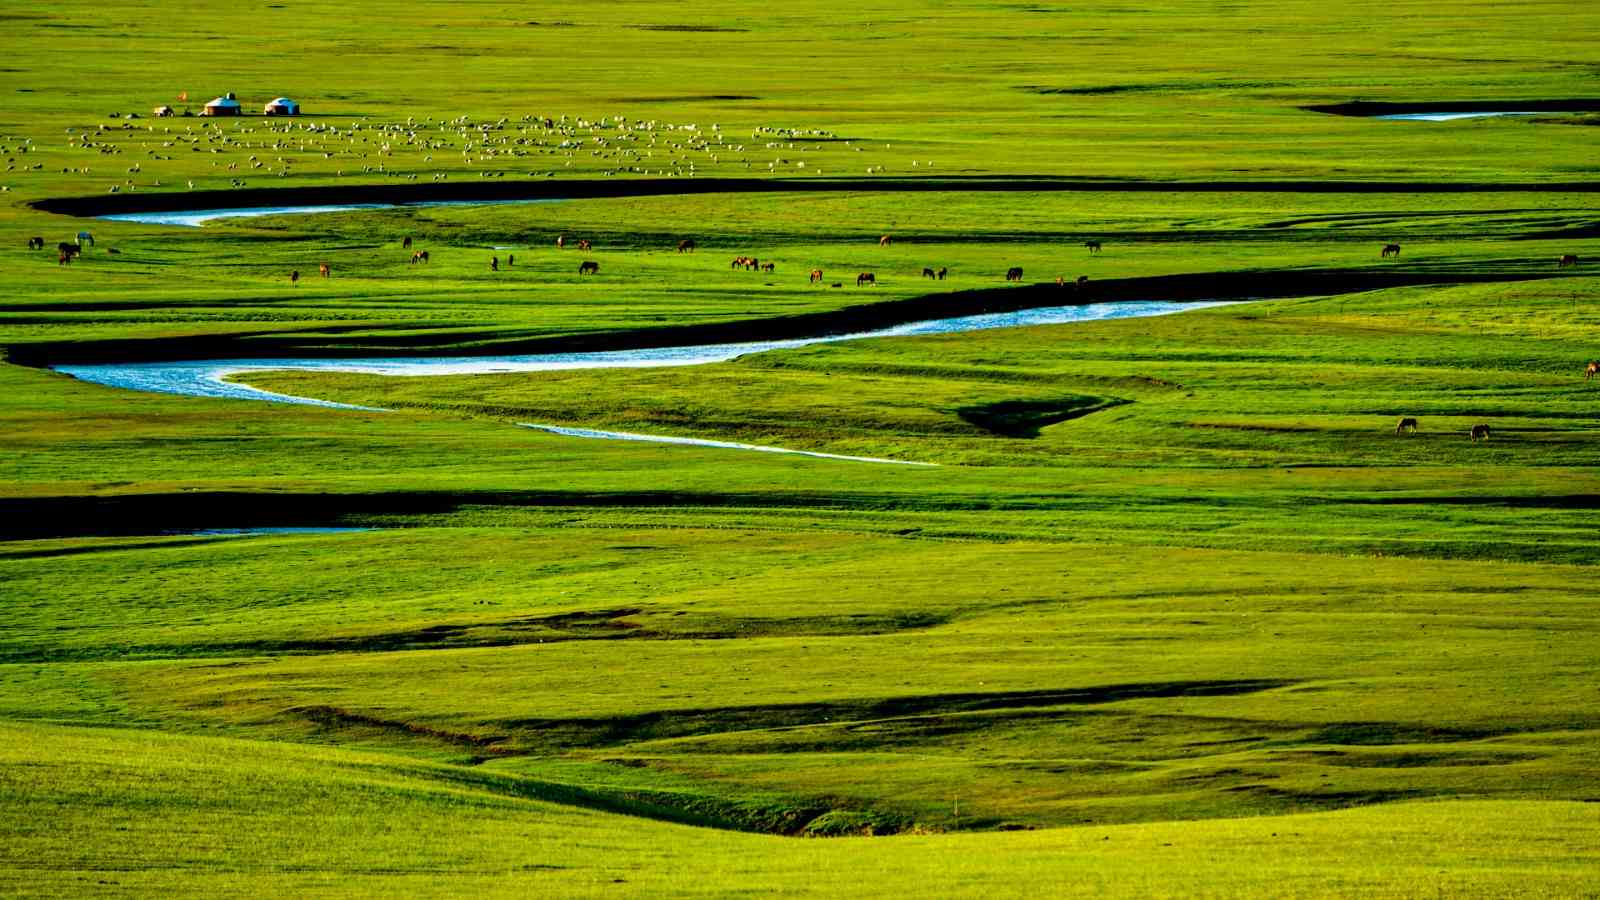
{"x":1025,"y":418}
{"x":599,"y":732}
{"x":1371,"y":734}
{"x":698,"y":29}
{"x":687,"y":98}
{"x":1364,"y":108}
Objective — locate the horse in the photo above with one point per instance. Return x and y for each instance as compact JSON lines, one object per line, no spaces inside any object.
{"x":1390,"y":250}
{"x":1082,"y":282}
{"x":866,"y":278}
{"x":584,"y":244}
{"x":943,"y":271}
{"x":1060,"y":282}
{"x":561,"y":241}
{"x":63,"y":258}
{"x":686,"y":245}
{"x":885,"y":241}
{"x":419,"y":256}
{"x":752,"y":264}
{"x":86,"y":238}
{"x":323,"y":270}
{"x":769,"y":267}
{"x":1567,"y":259}
{"x":1406,"y":424}
{"x":294,"y":277}
{"x":511,"y":259}
{"x":406,"y":244}
{"x":927,"y":272}
{"x":816,"y":275}
{"x":1591,"y":370}
{"x":1014,"y":273}
{"x":36,"y":243}
{"x":1092,"y":246}
{"x":1479,"y":433}
{"x":588,"y":267}
{"x":494,"y":263}
{"x":70,"y":249}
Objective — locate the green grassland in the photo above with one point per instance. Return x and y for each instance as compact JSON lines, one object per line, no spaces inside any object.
{"x":1175,"y":612}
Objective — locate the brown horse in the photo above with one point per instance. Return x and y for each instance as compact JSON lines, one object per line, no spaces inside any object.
{"x":1479,"y":433}
{"x":885,"y":241}
{"x":588,"y":267}
{"x":324,"y":271}
{"x":816,"y":276}
{"x":866,"y":278}
{"x":1406,"y":424}
{"x":1060,"y":282}
{"x":1014,"y":273}
{"x":769,"y":268}
{"x":1093,"y":246}
{"x":1390,"y":250}
{"x":1591,"y":370}
{"x":585,"y":245}
{"x":740,"y":262}
{"x":1568,"y":259}
{"x":686,"y":245}
{"x":419,"y":256}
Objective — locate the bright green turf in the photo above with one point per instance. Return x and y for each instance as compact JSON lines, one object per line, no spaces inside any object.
{"x":1224,"y":634}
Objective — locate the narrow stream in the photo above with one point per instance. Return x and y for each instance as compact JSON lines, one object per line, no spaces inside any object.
{"x":212,"y":378}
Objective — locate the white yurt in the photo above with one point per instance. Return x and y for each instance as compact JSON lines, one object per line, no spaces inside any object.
{"x":282,"y":106}
{"x":227,"y":105}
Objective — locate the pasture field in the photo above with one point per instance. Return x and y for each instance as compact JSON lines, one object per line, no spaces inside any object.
{"x":1174,"y":611}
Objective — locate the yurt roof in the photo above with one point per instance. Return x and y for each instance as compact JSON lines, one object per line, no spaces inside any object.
{"x":283,"y":101}
{"x":224,"y":101}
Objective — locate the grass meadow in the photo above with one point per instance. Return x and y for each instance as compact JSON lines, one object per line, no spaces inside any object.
{"x":1175,"y":612}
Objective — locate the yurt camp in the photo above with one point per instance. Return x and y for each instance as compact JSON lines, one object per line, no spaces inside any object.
{"x":227,"y":105}
{"x":282,"y":106}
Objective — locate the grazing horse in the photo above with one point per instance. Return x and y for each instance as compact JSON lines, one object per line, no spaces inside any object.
{"x":769,"y":267}
{"x":561,"y":241}
{"x":1390,"y":250}
{"x":324,"y":271}
{"x":686,"y":245}
{"x":588,"y":267}
{"x":816,"y":276}
{"x":406,"y":244}
{"x":1082,"y":282}
{"x":943,"y":271}
{"x":927,"y":272}
{"x":419,"y":256}
{"x":1406,"y":424}
{"x":86,"y":238}
{"x":885,"y":241}
{"x":1591,"y":370}
{"x":1093,"y":246}
{"x":584,"y":244}
{"x":1014,"y":273}
{"x":1479,"y":433}
{"x":294,"y":277}
{"x":63,"y":258}
{"x":1568,"y":259}
{"x":36,"y":243}
{"x":866,"y":278}
{"x":70,"y":249}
